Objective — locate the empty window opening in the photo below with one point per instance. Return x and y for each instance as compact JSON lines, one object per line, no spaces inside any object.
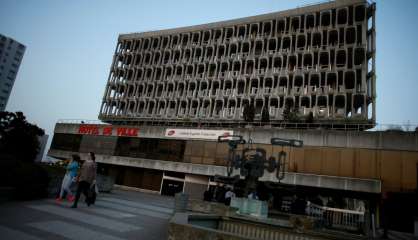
{"x":170,"y":87}
{"x":298,"y":81}
{"x":316,"y":40}
{"x":258,"y":49}
{"x":358,"y":103}
{"x":292,"y":62}
{"x":250,"y":67}
{"x":349,"y":80}
{"x":322,"y":101}
{"x":289,"y":103}
{"x":350,"y":35}
{"x":165,"y":42}
{"x":333,"y":38}
{"x":295,"y":24}
{"x":218,"y":34}
{"x":218,"y":107}
{"x":147,"y":58}
{"x":281,"y":25}
{"x":138,"y":59}
{"x":215,"y":87}
{"x":341,"y":58}
{"x":172,"y":107}
{"x":179,"y":71}
{"x":209,"y":52}
{"x":198,"y":53}
{"x":149,"y":73}
{"x":263,"y":64}
{"x":166,"y":57}
{"x":307,"y":60}
{"x":151,"y":107}
{"x":254,"y":30}
{"x":185,"y":40}
{"x":228,"y":85}
{"x":314,"y":80}
{"x":359,"y":56}
{"x":332,"y":80}
{"x":158,"y":73}
{"x":237,"y":66}
{"x":203,"y":86}
{"x":267,"y":28}
{"x":196,"y":37}
{"x":324,"y":59}
{"x":157,"y":58}
{"x":224,"y":67}
{"x":301,"y":42}
{"x":176,"y":56}
{"x":233,"y":49}
{"x":272,"y":44}
{"x":325,"y":19}
{"x":342,"y":16}
{"x":241,"y":87}
{"x":340,"y":101}
{"x":229,"y":32}
{"x":359,"y":35}
{"x":283,"y":82}
{"x":155,"y":43}
{"x":241,"y":31}
{"x":277,"y":62}
{"x":161,"y":107}
{"x":206,"y":37}
{"x":259,"y":103}
{"x":146,"y":44}
{"x":310,"y":21}
{"x":274,"y":103}
{"x":360,"y":13}
{"x":201,"y":69}
{"x":221,"y":51}
{"x":160,"y":90}
{"x":305,"y":102}
{"x":190,"y":70}
{"x":268,"y":83}
{"x":212,"y":69}
{"x":141,"y":107}
{"x":192,"y":86}
{"x":187,"y":54}
{"x":246,"y":47}
{"x":175,"y":40}
{"x":254,"y":85}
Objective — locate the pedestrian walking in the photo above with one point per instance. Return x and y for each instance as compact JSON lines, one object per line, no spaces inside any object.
{"x":69,"y":178}
{"x":87,"y":179}
{"x":228,"y":196}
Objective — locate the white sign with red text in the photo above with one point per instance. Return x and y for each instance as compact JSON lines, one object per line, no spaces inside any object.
{"x":197,"y":133}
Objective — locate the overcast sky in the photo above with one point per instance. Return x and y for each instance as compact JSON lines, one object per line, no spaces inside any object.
{"x":70,"y":45}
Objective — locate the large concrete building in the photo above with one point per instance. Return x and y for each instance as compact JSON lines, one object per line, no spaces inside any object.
{"x":317,"y":61}
{"x":171,"y":93}
{"x":11,"y":54}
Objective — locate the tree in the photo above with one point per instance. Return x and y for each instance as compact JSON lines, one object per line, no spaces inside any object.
{"x":18,"y":137}
{"x":265,"y":115}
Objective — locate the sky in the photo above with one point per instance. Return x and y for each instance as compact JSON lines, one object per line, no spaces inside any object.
{"x":70,"y":45}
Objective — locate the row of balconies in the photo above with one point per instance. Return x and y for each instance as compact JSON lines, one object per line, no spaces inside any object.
{"x":253,"y":92}
{"x":324,"y":107}
{"x":332,"y":18}
{"x":287,"y":44}
{"x":313,"y":61}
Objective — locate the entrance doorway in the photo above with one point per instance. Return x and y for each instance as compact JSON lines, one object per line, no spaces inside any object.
{"x":171,"y":187}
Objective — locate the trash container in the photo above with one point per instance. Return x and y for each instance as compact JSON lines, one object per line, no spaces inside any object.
{"x":180,"y":202}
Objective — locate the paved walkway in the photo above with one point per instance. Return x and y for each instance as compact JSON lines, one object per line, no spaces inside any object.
{"x":118,"y":215}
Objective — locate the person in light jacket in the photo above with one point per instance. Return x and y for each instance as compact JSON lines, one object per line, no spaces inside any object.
{"x":87,"y":179}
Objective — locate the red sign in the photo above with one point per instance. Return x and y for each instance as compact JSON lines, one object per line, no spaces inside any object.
{"x":91,"y":129}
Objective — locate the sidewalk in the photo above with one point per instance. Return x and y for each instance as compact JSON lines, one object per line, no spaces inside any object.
{"x":117,"y":215}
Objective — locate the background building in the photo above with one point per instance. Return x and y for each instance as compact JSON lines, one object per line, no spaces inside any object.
{"x":11,"y":54}
{"x":316,"y":61}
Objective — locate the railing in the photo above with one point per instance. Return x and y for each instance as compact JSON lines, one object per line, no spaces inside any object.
{"x":337,"y":218}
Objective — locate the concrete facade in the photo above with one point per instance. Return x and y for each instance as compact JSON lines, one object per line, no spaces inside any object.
{"x":317,"y":61}
{"x":11,"y":54}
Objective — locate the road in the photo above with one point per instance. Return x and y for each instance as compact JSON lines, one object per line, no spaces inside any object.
{"x":117,"y":215}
